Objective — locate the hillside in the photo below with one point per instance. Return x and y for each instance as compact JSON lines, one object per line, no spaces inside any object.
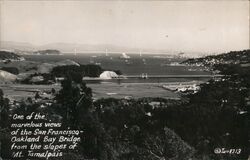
{"x":6,"y":77}
{"x":9,"y":56}
{"x":233,"y":57}
{"x":219,"y":111}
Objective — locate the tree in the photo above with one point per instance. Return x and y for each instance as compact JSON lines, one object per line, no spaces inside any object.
{"x":37,"y":95}
{"x":53,"y":91}
{"x":12,"y":70}
{"x":74,"y":99}
{"x":4,"y":126}
{"x":4,"y":109}
{"x":76,"y":108}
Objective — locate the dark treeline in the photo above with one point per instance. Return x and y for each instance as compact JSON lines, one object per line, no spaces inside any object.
{"x":88,"y":70}
{"x":75,"y":72}
{"x":12,"y":70}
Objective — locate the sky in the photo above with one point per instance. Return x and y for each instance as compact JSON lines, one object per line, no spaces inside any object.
{"x":188,"y":26}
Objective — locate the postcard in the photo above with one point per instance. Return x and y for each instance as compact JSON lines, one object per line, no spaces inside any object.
{"x":124,"y":80}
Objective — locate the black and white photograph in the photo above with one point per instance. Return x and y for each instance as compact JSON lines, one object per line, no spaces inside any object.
{"x":124,"y":80}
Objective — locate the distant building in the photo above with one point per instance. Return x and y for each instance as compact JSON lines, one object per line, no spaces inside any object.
{"x":108,"y":75}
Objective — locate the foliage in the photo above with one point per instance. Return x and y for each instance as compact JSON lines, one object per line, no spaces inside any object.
{"x":12,"y":70}
{"x":5,"y":55}
{"x":47,"y":79}
{"x":73,"y":70}
{"x":4,"y":110}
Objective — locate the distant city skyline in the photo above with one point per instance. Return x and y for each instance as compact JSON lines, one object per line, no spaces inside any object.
{"x":173,"y":26}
